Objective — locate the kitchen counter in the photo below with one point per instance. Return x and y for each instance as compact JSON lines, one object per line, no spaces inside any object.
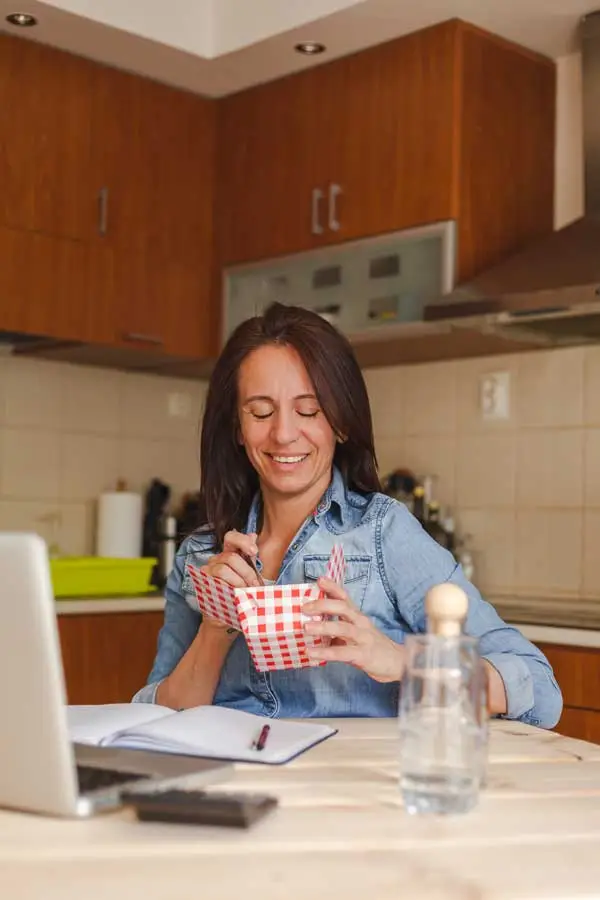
{"x":90,"y":605}
{"x":532,"y":618}
{"x":340,"y":824}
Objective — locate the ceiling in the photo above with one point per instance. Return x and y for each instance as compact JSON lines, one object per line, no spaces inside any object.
{"x":216,"y":47}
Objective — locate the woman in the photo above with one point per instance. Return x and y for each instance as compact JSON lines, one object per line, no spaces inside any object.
{"x":288,"y":470}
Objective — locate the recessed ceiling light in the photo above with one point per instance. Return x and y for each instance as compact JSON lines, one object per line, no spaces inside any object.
{"x":22,"y":20}
{"x":310,"y":48}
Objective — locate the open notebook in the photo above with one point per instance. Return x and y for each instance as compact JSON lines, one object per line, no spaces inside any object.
{"x":214,"y":732}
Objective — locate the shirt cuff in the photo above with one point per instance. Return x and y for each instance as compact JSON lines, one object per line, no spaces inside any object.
{"x":518,"y":683}
{"x":147,"y":694}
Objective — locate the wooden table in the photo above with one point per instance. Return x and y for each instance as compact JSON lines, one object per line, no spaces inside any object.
{"x":341,"y":826}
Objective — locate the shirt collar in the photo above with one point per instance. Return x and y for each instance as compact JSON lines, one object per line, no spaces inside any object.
{"x":334,"y":495}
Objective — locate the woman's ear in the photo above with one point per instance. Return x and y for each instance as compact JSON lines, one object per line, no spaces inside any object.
{"x":341,"y":438}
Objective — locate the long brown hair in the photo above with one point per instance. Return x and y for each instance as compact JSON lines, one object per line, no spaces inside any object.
{"x":228,"y":480}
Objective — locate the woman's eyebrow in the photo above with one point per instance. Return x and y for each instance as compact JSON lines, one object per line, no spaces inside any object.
{"x":267,"y":399}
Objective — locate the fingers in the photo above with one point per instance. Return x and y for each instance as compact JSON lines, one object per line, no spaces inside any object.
{"x":348,"y":653}
{"x":237,"y":541}
{"x":338,"y":629}
{"x":232,"y":568}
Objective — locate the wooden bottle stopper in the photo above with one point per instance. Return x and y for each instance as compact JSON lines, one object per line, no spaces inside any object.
{"x":446,"y":607}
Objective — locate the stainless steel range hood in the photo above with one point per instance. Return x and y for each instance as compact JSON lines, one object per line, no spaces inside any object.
{"x":549,"y":293}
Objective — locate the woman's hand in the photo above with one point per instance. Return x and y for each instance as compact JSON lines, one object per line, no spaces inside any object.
{"x":231,"y":567}
{"x":355,"y":640}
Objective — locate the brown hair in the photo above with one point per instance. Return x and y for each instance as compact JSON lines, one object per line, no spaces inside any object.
{"x":228,"y":480}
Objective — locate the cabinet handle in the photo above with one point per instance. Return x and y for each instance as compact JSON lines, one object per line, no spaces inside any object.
{"x":103,"y":211}
{"x":317,"y":196}
{"x":334,"y":192}
{"x":142,"y":338}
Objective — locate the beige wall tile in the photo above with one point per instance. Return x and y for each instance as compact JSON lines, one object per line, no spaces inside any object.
{"x":386,"y":389}
{"x":469,"y":373}
{"x":550,"y":388}
{"x":30,"y":467}
{"x":486,"y":470}
{"x":591,"y":553}
{"x":430,"y":399}
{"x":91,"y":401}
{"x":550,"y":468}
{"x":34,"y":391}
{"x":77,"y":529}
{"x":591,"y":477}
{"x":492,"y":540}
{"x":89,"y":465}
{"x":41,"y":517}
{"x":548,"y":551}
{"x":591,"y":404}
{"x":175,"y":464}
{"x":145,"y":408}
{"x":390,"y":454}
{"x":434,"y":456}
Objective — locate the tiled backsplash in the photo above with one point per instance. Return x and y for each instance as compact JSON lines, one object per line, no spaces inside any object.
{"x":67,"y":433}
{"x":527,"y":488}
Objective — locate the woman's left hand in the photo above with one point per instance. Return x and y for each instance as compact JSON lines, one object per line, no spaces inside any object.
{"x":355,"y":640}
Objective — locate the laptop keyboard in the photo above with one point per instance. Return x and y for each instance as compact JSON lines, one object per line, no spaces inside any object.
{"x":91,"y":778}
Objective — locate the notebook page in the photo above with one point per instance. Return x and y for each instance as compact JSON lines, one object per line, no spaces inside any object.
{"x":222,"y":733}
{"x":96,"y":724}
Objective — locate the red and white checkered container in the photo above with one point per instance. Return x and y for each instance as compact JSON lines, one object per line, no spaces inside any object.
{"x":270,"y":618}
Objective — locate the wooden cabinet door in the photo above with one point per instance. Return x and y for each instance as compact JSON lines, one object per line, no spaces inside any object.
{"x":45,"y":135}
{"x":268,"y":147}
{"x":154,"y":172}
{"x":107,"y":657}
{"x":391,"y":121}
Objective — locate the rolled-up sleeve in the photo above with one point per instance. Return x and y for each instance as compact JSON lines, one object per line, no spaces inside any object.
{"x":179,"y":629}
{"x":413,"y":563}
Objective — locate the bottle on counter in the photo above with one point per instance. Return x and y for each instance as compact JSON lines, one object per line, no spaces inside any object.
{"x":443,"y":715}
{"x":419,"y":506}
{"x":434,"y":527}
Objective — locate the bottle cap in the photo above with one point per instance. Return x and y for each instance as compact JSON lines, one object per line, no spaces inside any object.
{"x":419,"y":491}
{"x":446,"y":607}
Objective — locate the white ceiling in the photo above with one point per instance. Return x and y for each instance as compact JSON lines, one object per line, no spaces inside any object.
{"x":216,"y":47}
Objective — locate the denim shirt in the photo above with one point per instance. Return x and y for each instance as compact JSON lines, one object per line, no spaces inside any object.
{"x":391,"y":562}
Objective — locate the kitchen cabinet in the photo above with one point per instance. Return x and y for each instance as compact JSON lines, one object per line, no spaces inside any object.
{"x":153,"y":162}
{"x":577,"y":670}
{"x":448,"y":122}
{"x":106,"y":207}
{"x":107,"y":657}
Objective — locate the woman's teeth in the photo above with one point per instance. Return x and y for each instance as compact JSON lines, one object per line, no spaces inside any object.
{"x":289,"y":459}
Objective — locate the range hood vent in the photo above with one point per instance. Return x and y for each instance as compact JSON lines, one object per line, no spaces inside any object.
{"x":550,"y":291}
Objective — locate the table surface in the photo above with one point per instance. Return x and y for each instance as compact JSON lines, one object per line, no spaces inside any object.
{"x":340,"y":824}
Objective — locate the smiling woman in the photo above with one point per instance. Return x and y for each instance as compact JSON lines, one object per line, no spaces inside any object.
{"x":289,"y":470}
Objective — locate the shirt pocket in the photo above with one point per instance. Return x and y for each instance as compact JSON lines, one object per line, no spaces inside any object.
{"x":356,"y":576}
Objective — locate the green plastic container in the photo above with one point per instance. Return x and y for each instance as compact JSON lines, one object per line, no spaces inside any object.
{"x":94,"y":576}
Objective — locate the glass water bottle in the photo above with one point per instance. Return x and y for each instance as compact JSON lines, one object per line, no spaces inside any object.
{"x":443,"y":714}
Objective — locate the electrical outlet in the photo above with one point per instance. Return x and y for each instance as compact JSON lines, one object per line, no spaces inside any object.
{"x":179,"y":405}
{"x":494,"y":396}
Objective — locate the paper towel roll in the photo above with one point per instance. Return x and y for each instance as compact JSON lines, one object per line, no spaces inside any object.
{"x":119,"y":526}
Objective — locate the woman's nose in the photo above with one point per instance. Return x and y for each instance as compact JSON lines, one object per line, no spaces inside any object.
{"x":285,"y":428}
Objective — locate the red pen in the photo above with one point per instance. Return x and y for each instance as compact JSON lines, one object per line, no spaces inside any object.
{"x":260,"y":742}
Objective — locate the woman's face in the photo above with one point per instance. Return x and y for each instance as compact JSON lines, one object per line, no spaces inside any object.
{"x":285,"y":433}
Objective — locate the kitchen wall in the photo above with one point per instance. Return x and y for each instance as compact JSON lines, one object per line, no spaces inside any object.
{"x":67,"y":433}
{"x":527,"y":488}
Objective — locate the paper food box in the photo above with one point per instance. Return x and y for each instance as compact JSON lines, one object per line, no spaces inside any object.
{"x":269,"y":617}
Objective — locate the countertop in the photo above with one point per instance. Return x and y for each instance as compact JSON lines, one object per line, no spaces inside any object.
{"x":571,"y":622}
{"x":340,"y":825}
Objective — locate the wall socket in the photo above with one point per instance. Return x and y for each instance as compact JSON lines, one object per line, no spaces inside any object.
{"x":494,"y":396}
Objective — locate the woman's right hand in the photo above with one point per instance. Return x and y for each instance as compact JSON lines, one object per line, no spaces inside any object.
{"x":230,"y":565}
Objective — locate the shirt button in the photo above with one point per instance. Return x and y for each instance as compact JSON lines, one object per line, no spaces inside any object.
{"x":295,"y":546}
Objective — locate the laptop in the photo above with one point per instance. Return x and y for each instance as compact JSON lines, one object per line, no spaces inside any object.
{"x":41,"y":770}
